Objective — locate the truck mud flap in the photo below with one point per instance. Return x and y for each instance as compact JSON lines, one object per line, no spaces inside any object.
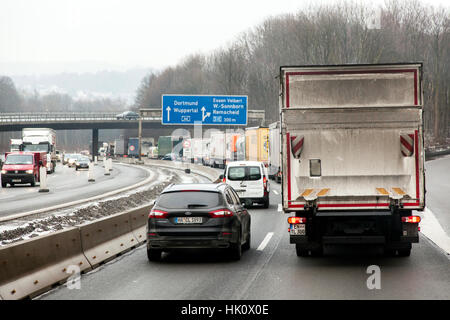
{"x":31,"y":267}
{"x":354,"y":240}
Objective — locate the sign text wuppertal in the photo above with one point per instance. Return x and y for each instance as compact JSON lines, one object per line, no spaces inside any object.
{"x":212,"y":110}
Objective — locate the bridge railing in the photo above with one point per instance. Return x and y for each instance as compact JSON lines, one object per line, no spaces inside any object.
{"x":149,"y":115}
{"x":61,"y":116}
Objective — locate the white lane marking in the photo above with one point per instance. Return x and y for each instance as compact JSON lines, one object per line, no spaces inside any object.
{"x":275,"y":191}
{"x":280,"y":207}
{"x":265,"y":241}
{"x":431,"y":228}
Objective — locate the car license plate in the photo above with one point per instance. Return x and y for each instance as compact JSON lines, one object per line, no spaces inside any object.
{"x":16,"y":180}
{"x":297,"y":229}
{"x":188,"y":220}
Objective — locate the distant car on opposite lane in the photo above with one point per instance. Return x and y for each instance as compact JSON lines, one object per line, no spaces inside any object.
{"x":127,"y":115}
{"x":200,"y":215}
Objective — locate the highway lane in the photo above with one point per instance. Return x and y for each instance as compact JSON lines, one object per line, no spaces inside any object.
{"x":273,"y":272}
{"x":67,"y":185}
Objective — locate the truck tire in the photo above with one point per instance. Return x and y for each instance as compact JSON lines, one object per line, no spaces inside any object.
{"x":3,"y":184}
{"x":404,"y":252}
{"x":154,"y":254}
{"x":317,"y":252}
{"x":301,"y":252}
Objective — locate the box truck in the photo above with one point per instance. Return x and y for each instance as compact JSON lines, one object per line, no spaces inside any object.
{"x":257,"y":144}
{"x":274,"y":152}
{"x":352,"y":155}
{"x":41,"y":140}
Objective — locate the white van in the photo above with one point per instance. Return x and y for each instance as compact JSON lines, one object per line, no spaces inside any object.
{"x":250,"y":180}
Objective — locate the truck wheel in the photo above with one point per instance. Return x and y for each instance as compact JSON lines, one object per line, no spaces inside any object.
{"x":317,"y":252}
{"x":404,"y":252}
{"x":301,"y":252}
{"x":154,"y":254}
{"x":3,"y":184}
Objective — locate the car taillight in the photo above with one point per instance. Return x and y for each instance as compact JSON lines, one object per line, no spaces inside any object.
{"x":265,"y":182}
{"x":158,"y":214}
{"x":224,"y":180}
{"x":221,"y":213}
{"x":296,"y":220}
{"x":411,"y":219}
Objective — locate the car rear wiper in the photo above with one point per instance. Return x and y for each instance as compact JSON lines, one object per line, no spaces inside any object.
{"x":193,"y":205}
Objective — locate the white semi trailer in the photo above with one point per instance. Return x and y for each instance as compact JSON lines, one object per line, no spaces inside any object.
{"x":41,"y":140}
{"x":352,"y":155}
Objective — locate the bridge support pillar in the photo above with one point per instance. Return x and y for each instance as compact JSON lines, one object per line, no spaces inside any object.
{"x":94,"y":143}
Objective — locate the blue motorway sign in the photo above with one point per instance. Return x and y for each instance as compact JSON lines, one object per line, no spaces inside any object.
{"x":212,"y":110}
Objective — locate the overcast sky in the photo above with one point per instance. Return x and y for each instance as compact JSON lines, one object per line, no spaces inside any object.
{"x":48,"y":36}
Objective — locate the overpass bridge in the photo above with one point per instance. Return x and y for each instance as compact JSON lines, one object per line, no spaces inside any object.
{"x":150,"y":119}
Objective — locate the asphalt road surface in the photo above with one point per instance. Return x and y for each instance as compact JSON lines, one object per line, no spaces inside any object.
{"x":269,"y":270}
{"x":67,"y":185}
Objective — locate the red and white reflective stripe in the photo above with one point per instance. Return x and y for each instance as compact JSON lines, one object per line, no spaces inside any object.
{"x":407,"y":144}
{"x":297,"y":146}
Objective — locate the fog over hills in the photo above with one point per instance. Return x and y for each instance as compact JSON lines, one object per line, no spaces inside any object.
{"x":86,"y":85}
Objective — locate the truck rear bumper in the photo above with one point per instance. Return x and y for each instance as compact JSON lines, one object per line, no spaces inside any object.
{"x":328,"y":240}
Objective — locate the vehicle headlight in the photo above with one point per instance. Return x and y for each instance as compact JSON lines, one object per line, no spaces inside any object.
{"x":4,"y":171}
{"x":29,"y":171}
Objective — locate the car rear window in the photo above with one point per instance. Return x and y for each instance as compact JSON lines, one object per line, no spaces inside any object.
{"x":244,"y":173}
{"x":189,"y":200}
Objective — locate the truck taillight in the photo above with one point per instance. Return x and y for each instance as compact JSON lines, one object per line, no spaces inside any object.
{"x":411,"y":219}
{"x":296,"y":220}
{"x":221,"y":213}
{"x":158,"y":214}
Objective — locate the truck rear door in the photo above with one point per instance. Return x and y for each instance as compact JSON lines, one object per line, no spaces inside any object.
{"x":352,"y":137}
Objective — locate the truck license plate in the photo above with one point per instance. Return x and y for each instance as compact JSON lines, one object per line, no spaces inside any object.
{"x":297,"y":229}
{"x":16,"y":180}
{"x":188,"y":220}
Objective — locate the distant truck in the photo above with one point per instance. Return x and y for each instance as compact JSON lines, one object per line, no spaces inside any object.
{"x":22,"y":168}
{"x":119,"y":148}
{"x":257,"y":144}
{"x":274,"y":152}
{"x":169,"y":144}
{"x":218,"y":149}
{"x":15,"y":145}
{"x":133,"y":147}
{"x":41,"y":140}
{"x":352,"y":155}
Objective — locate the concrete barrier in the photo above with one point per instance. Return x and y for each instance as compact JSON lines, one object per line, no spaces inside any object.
{"x":139,"y":218}
{"x":103,"y":239}
{"x":31,"y":267}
